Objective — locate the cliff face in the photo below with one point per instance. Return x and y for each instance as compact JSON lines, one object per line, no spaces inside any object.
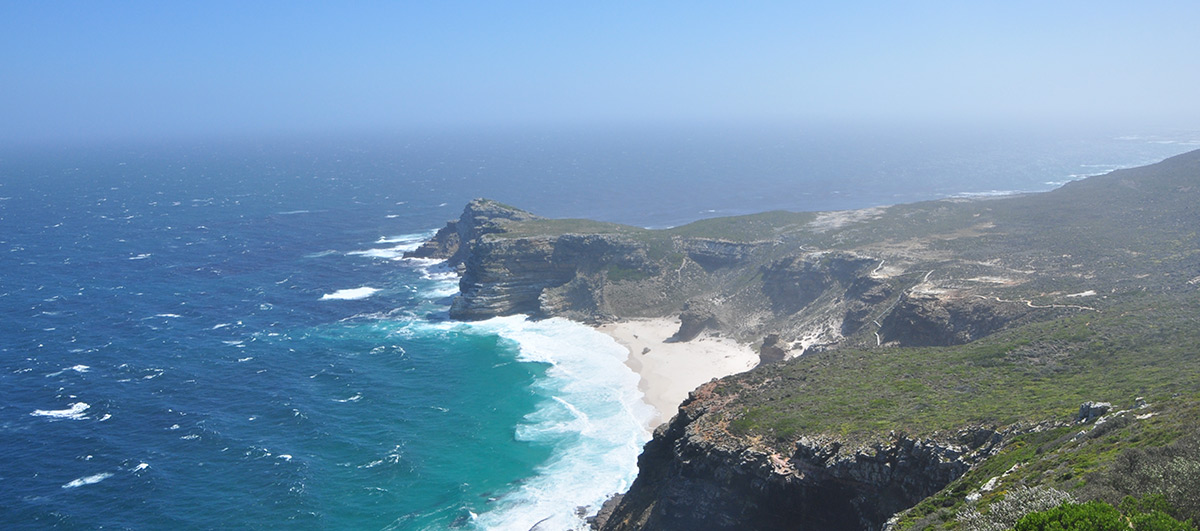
{"x":506,"y":276}
{"x":454,"y":241}
{"x":694,"y":474}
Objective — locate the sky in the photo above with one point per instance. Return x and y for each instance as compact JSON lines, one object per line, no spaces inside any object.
{"x":117,"y":70}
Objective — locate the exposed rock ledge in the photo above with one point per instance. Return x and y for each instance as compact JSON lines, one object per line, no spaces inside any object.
{"x":694,"y":474}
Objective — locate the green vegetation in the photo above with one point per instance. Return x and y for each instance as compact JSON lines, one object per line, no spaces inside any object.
{"x":1152,"y":452}
{"x":558,"y":227}
{"x":1034,"y":373}
{"x":618,"y":273}
{"x":1091,"y":516}
{"x":1150,"y":514}
{"x":752,"y":228}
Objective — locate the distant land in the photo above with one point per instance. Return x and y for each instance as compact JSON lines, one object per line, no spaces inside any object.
{"x":956,"y":363}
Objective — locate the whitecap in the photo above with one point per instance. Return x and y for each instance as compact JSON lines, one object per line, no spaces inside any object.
{"x":355,"y":398}
{"x":220,"y":326}
{"x":75,"y":412}
{"x":140,"y":467}
{"x":592,"y":416}
{"x":351,"y":293}
{"x":89,"y":480}
{"x":404,"y":243}
{"x":142,"y":256}
{"x":168,"y":315}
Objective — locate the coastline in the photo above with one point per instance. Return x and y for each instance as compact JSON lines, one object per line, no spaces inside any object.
{"x":669,"y":371}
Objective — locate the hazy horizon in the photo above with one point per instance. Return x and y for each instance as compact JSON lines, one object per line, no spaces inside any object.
{"x":80,"y":72}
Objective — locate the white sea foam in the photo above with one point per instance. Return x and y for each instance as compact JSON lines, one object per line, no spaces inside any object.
{"x":592,"y":415}
{"x":75,"y":412}
{"x":89,"y":480}
{"x":142,"y":256}
{"x":355,"y":398}
{"x":350,"y":294}
{"x":403,"y":243}
{"x":77,"y":368}
{"x":989,"y":193}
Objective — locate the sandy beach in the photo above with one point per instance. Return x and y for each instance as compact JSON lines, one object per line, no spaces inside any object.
{"x":670,"y":371}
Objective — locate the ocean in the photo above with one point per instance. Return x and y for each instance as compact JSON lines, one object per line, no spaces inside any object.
{"x":224,"y":334}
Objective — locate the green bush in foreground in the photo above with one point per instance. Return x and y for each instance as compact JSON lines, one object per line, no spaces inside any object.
{"x":1090,"y":516}
{"x":1147,"y":514}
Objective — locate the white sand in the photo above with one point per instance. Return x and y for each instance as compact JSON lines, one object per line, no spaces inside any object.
{"x":670,"y":371}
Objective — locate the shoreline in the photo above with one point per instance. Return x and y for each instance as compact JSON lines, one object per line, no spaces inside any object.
{"x":668,"y":372}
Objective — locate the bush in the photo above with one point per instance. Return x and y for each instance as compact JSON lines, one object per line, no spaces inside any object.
{"x":1090,"y":516}
{"x":1170,"y":472}
{"x":1159,"y":521}
{"x":1150,"y":513}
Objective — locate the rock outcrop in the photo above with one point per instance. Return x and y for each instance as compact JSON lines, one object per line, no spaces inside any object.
{"x":453,"y":242}
{"x":694,"y":474}
{"x":696,"y":317}
{"x":505,"y":276}
{"x":940,"y":319}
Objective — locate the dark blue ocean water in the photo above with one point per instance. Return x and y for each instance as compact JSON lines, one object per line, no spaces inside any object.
{"x":222,"y":334}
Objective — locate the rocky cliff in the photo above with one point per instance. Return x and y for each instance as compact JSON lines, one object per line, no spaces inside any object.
{"x":694,"y":474}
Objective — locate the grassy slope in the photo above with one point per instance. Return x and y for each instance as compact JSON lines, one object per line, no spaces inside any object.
{"x":1034,"y":373}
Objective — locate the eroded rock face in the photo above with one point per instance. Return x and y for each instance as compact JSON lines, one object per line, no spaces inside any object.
{"x":696,"y":318}
{"x":714,"y":253}
{"x":946,"y":319}
{"x":696,"y":475}
{"x":453,"y":242}
{"x":772,"y":350}
{"x":793,"y":283}
{"x":505,"y":276}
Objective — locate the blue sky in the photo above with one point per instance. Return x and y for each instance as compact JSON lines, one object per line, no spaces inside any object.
{"x":115,"y":70}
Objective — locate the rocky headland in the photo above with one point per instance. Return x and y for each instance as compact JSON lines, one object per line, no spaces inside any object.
{"x":918,"y":361}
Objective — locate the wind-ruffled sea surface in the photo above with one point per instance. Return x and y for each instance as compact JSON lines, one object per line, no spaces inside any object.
{"x":226,"y":335}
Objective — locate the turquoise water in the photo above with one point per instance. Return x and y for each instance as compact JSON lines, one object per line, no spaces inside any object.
{"x":225,"y":335}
